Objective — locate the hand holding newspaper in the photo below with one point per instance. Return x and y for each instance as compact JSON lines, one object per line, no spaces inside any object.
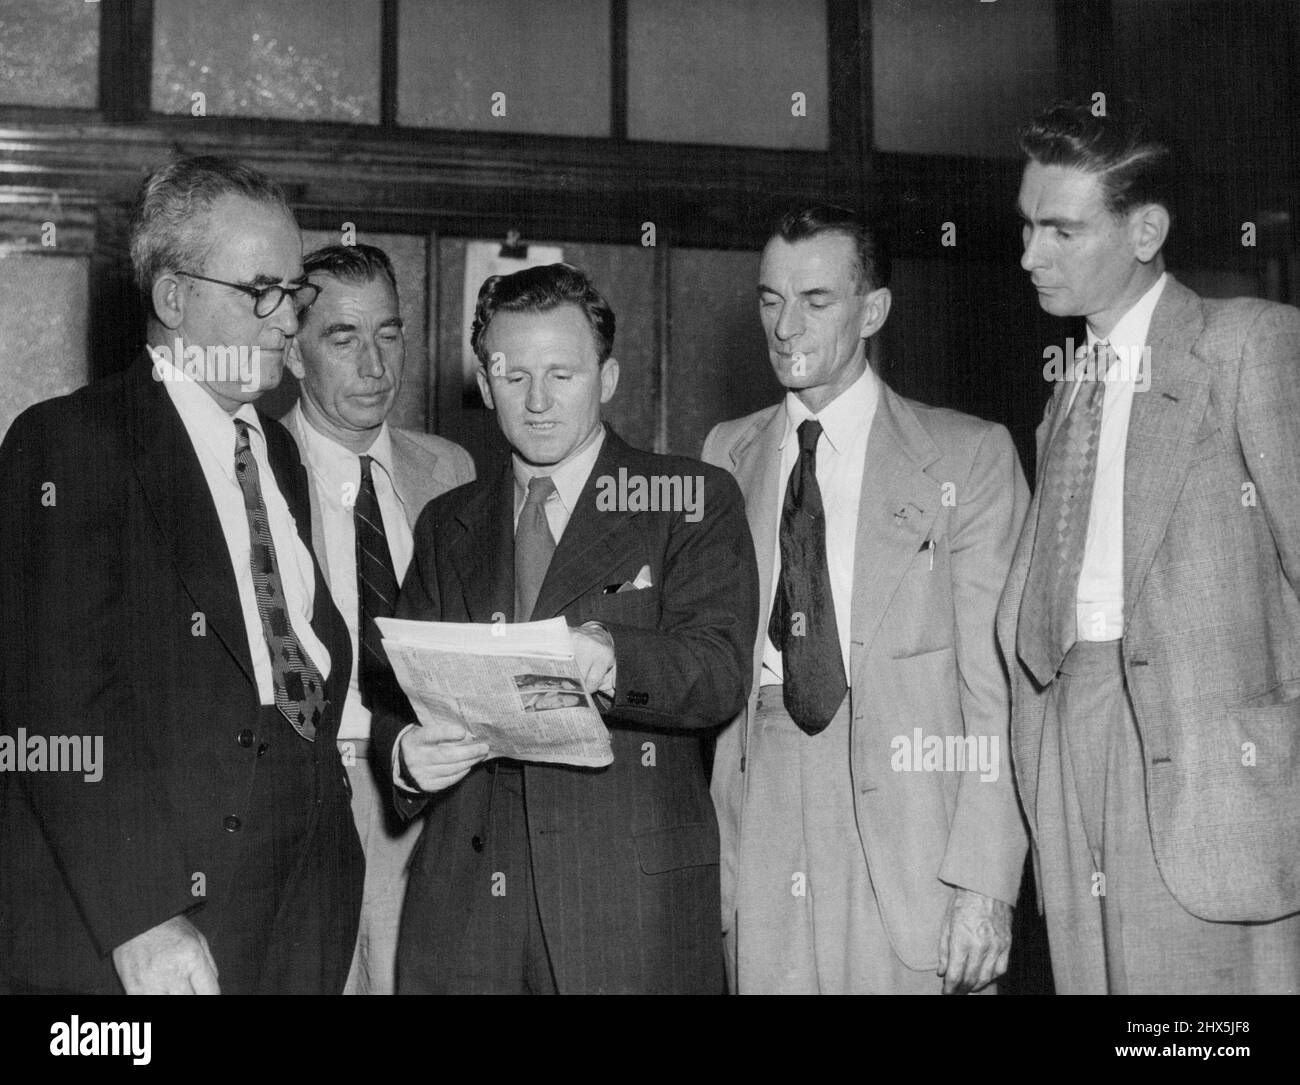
{"x":515,"y":687}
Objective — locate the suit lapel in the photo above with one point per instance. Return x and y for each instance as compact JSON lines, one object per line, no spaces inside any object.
{"x":295,"y":424}
{"x":1163,"y":428}
{"x":177,"y":494}
{"x":896,"y":512}
{"x":484,"y":554}
{"x":757,"y":469}
{"x":591,"y":546}
{"x":414,"y":470}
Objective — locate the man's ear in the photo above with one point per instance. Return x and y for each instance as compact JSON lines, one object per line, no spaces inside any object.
{"x":608,"y":378}
{"x":1148,"y":230}
{"x":168,"y":301}
{"x":875,"y":312}
{"x":485,"y":387}
{"x":293,"y":359}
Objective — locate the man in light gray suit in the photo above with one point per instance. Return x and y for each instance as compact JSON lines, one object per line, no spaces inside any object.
{"x":368,"y":482}
{"x":1151,"y":616}
{"x":871,"y":841}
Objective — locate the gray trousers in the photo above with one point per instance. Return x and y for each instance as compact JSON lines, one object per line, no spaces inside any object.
{"x":1112,"y":925}
{"x":806,"y":915}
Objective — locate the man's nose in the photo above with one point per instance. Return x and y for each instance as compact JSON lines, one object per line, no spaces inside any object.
{"x":372,"y":362}
{"x":789,"y":323}
{"x":1032,"y":257}
{"x":285,"y":318}
{"x":538,"y":400}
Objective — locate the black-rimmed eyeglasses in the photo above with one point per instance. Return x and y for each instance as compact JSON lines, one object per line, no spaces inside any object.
{"x":266,"y":299}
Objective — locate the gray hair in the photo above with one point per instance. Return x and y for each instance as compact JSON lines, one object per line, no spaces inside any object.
{"x":168,"y":225}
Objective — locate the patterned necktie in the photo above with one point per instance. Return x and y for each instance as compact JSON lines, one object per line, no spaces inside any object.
{"x":299,"y":689}
{"x":802,"y":626}
{"x":1048,"y":615}
{"x":534,"y":546}
{"x":376,"y":587}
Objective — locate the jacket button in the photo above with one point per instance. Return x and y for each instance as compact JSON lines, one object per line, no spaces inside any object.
{"x":230,"y":823}
{"x":263,"y":748}
{"x":476,"y":843}
{"x":245,"y":738}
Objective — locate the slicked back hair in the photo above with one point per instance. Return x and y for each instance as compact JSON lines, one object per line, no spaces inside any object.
{"x":169,"y":226}
{"x":351,"y":263}
{"x":540,"y":290}
{"x":1134,"y":169}
{"x":871,"y":268}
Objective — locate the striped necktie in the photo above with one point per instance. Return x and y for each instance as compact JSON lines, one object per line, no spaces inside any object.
{"x":376,"y":588}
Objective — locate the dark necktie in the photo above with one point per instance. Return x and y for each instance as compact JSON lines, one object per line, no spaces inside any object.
{"x":803,"y":627}
{"x":299,"y":689}
{"x":1048,"y":614}
{"x":534,"y":546}
{"x":376,"y":588}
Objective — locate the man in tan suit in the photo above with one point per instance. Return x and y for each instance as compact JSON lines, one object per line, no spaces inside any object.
{"x":871,"y":840}
{"x":1151,"y":614}
{"x":368,"y":481}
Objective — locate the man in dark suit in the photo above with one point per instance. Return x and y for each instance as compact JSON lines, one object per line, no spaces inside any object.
{"x":1151,"y":618}
{"x":159,"y":601}
{"x":548,"y":878}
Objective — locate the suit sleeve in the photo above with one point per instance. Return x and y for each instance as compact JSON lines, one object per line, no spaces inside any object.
{"x":694,"y":670}
{"x":987,"y":839}
{"x":1268,"y":425}
{"x":418,"y":600}
{"x":66,"y":620}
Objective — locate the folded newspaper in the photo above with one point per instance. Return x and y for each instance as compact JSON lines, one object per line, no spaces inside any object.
{"x":515,"y":687}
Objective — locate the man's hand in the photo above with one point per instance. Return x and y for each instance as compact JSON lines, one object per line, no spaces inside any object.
{"x":974,"y":941}
{"x":170,"y":959}
{"x":435,"y":756}
{"x":593,"y":650}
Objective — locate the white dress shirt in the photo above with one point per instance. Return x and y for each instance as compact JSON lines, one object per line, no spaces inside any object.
{"x":1099,"y":603}
{"x":336,"y":482}
{"x":212,"y":432}
{"x":841,"y":464}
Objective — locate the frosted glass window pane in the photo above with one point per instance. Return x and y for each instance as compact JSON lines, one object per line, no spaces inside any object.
{"x":726,"y":71}
{"x":960,"y":78}
{"x":49,"y":53}
{"x":43,"y":329}
{"x":548,"y":58}
{"x":304,"y":60}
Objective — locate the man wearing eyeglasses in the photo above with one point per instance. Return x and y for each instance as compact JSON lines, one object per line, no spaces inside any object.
{"x":167,"y":643}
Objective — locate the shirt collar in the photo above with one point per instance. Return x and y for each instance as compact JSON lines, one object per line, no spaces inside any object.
{"x":334,"y":459}
{"x":842,"y":417}
{"x":1130,"y":333}
{"x":205,"y":420}
{"x":569,"y":477}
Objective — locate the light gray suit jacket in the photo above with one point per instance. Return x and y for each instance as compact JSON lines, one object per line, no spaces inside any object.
{"x":1211,"y":616}
{"x":922,"y":655}
{"x":424,"y":465}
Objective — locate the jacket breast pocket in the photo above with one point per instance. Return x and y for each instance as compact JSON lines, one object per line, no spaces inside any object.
{"x":677,"y":847}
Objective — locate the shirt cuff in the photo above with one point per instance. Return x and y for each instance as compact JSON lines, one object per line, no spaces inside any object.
{"x":397,"y":762}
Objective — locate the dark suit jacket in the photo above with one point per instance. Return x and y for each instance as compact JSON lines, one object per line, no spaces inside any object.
{"x":120,"y":618}
{"x":1211,"y":604}
{"x":625,"y":858}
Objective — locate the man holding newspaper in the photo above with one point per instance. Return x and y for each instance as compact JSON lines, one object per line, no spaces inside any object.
{"x":537,"y":877}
